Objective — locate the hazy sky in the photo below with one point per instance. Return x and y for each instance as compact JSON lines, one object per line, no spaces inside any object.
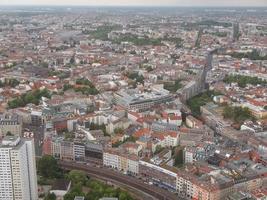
{"x":139,"y":2}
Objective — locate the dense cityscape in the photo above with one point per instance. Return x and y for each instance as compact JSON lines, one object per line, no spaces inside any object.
{"x":124,"y":103}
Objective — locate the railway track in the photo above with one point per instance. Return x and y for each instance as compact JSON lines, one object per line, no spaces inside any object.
{"x":108,"y":174}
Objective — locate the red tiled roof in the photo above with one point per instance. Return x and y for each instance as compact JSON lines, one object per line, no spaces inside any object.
{"x":141,"y":132}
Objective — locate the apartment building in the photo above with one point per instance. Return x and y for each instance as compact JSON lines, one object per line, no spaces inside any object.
{"x":10,"y":124}
{"x":192,"y":122}
{"x":18,"y":179}
{"x":209,"y":183}
{"x":117,"y":159}
{"x":165,"y":139}
{"x":198,"y":153}
{"x":111,"y":159}
{"x":79,"y":151}
{"x":135,"y":100}
{"x":56,"y":146}
{"x":66,"y":150}
{"x":162,"y":176}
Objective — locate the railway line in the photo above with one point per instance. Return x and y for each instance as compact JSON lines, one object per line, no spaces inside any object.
{"x":109,"y":175}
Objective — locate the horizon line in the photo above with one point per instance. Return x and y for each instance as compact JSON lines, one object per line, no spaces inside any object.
{"x":110,"y":5}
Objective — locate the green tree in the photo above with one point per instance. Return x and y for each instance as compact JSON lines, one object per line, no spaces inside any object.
{"x":158,"y":149}
{"x":253,"y":55}
{"x":149,"y":69}
{"x":172,"y":87}
{"x":136,"y":40}
{"x":136,"y":78}
{"x":88,"y":87}
{"x":84,"y":81}
{"x":118,"y":130}
{"x":75,"y":191}
{"x":124,"y":196}
{"x":67,"y":87}
{"x":69,"y":135}
{"x":44,"y":64}
{"x":102,"y":31}
{"x":102,"y":127}
{"x":77,"y":177}
{"x":200,"y":100}
{"x":9,"y":82}
{"x":47,"y":167}
{"x":242,"y":81}
{"x":72,"y":60}
{"x":178,"y":157}
{"x":99,"y":190}
{"x":9,"y":133}
{"x":13,"y":82}
{"x":50,"y":196}
{"x":129,"y":139}
{"x":237,"y":114}
{"x":29,"y":97}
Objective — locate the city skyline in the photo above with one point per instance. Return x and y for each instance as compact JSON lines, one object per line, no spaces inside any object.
{"x":160,"y":99}
{"x":202,"y":3}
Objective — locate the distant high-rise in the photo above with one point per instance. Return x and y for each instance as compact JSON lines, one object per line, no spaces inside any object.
{"x":18,"y":179}
{"x":236,"y":33}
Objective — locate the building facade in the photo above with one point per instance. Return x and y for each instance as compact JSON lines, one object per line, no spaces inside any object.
{"x":18,"y":179}
{"x":10,"y":124}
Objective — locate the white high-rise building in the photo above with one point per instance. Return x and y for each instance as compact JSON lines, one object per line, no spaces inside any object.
{"x":18,"y":179}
